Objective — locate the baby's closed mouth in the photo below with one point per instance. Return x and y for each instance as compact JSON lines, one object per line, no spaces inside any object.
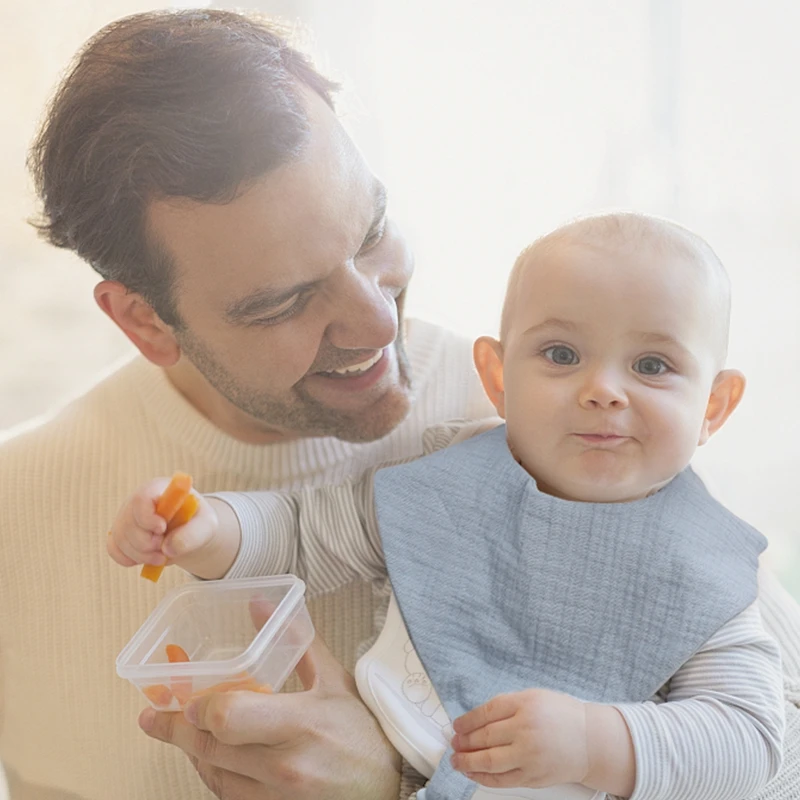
{"x":602,"y":437}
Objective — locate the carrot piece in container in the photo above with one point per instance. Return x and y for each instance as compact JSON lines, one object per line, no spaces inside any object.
{"x":176,"y":654}
{"x":170,"y":506}
{"x":181,"y":687}
{"x":241,"y":685}
{"x":158,"y":694}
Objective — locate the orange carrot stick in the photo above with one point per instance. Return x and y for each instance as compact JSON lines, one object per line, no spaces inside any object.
{"x":248,"y":685}
{"x":158,"y":694}
{"x":181,"y":687}
{"x":184,"y":513}
{"x":176,"y":654}
{"x":176,"y":492}
{"x":168,"y":506}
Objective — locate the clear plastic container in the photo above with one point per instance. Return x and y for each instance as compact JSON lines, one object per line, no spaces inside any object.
{"x":212,"y":622}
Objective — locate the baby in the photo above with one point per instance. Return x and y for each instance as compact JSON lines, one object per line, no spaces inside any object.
{"x":568,"y":558}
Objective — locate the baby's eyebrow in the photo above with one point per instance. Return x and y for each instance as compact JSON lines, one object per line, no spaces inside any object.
{"x":552,"y":322}
{"x":659,"y":338}
{"x":652,"y":337}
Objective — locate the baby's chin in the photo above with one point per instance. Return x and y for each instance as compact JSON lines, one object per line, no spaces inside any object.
{"x":598,"y":491}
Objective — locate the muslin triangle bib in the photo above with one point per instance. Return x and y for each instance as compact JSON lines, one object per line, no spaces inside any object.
{"x":503,"y":587}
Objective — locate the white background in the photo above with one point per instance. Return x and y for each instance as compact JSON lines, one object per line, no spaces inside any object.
{"x":491,"y":123}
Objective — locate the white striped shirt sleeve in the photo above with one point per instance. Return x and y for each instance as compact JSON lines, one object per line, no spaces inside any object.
{"x":328,"y":535}
{"x":719,"y":734}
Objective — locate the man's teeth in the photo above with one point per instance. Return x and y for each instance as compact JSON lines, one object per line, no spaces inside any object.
{"x":362,"y":367}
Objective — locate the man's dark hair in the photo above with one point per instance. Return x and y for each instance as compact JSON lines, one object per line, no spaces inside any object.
{"x":193,"y":104}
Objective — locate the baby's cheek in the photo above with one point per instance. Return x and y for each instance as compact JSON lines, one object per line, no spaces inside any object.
{"x":674,"y":444}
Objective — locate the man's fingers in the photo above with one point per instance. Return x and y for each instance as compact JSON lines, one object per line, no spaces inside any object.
{"x":242,"y":717}
{"x":236,"y":718}
{"x":230,"y":786}
{"x":319,"y":666}
{"x":261,"y":610}
{"x":171,"y":727}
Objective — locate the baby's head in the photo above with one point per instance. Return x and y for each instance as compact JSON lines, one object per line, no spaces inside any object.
{"x":609,"y":368}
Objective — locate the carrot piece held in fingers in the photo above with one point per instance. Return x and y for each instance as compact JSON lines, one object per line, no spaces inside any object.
{"x":172,"y":499}
{"x":184,"y":513}
{"x":168,"y":506}
{"x":182,"y":516}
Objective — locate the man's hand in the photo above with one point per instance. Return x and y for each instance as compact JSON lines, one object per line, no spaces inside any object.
{"x":531,"y":738}
{"x":319,"y":744}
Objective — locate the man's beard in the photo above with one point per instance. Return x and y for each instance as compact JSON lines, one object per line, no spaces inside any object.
{"x":306,"y":416}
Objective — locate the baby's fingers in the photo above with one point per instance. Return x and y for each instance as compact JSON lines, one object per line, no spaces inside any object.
{"x":500,"y":707}
{"x":495,"y":734}
{"x":118,"y":555}
{"x":188,"y":538}
{"x":494,"y":761}
{"x":143,"y":506}
{"x":150,"y":553}
{"x":499,"y":780}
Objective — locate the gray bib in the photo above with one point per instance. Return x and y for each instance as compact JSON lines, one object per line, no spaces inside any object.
{"x":503,"y":587}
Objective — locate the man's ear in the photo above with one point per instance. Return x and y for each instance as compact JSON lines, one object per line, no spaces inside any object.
{"x":488,"y":356}
{"x":136,"y":318}
{"x":726,"y":392}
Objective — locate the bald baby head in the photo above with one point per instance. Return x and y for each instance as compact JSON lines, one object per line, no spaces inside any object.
{"x":638,"y":243}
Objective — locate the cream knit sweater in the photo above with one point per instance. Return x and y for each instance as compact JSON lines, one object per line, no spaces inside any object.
{"x":66,"y":610}
{"x":68,"y":723}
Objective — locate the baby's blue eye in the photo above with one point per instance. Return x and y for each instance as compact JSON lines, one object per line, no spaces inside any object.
{"x":650,"y":365}
{"x":562,"y":355}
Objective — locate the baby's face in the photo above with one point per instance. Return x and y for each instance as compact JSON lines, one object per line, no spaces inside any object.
{"x":608,"y":362}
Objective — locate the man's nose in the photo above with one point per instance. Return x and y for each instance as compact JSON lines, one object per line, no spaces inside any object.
{"x":603,"y":388}
{"x":364,"y":313}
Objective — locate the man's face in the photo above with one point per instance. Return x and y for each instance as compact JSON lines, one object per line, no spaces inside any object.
{"x":291,"y":295}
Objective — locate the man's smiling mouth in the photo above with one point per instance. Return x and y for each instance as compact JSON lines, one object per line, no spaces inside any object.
{"x":355,"y":370}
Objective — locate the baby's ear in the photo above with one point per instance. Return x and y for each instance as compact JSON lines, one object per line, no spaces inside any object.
{"x":726,"y":392}
{"x":488,"y":356}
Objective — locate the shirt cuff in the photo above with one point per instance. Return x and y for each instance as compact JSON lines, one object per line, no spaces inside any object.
{"x":265,"y":547}
{"x":650,"y":782}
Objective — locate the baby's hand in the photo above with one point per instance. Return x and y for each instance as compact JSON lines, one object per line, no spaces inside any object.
{"x":532,"y":738}
{"x":140,"y":536}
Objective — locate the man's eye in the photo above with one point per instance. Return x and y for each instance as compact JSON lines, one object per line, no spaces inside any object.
{"x":285,"y":310}
{"x":650,"y":366}
{"x":562,"y":355}
{"x":373,"y":237}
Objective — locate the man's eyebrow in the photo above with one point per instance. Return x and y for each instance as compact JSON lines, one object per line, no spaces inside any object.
{"x":266,"y":299}
{"x":380,"y":199}
{"x":262,"y":300}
